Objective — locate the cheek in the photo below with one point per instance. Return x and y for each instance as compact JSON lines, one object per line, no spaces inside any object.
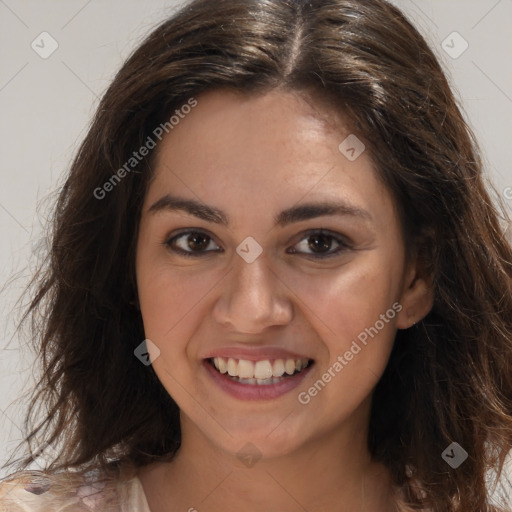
{"x":347,"y":300}
{"x":169,"y":301}
{"x":175,"y":303}
{"x":354,"y":317}
{"x":171,"y":309}
{"x":352,"y":312}
{"x":167,"y":294}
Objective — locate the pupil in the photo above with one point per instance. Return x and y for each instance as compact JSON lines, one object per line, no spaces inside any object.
{"x":326,"y":245}
{"x":193,"y":241}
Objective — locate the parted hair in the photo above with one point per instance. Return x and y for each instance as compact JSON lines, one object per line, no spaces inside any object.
{"x":449,"y":377}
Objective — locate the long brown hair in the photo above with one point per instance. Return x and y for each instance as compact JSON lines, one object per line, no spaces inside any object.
{"x":449,"y":377}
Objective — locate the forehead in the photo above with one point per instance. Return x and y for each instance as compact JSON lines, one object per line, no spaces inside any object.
{"x":245,"y":123}
{"x":268,"y":149}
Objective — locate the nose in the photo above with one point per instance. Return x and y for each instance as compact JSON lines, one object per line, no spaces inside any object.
{"x":253,"y":298}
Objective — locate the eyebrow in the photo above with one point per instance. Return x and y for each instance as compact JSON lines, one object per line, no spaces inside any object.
{"x":289,"y":216}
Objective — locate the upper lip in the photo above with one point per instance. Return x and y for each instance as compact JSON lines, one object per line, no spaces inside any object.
{"x":254,"y":354}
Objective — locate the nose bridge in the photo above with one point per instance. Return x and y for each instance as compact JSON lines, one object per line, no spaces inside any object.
{"x":252,"y":299}
{"x":251,"y":280}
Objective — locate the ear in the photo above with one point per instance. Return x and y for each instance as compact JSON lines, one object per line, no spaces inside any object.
{"x":417,"y":294}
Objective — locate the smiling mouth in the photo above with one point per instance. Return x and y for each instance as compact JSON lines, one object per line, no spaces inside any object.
{"x":264,"y":372}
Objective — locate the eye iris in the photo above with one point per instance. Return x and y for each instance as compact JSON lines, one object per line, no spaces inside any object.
{"x":193,"y":243}
{"x":324,"y":243}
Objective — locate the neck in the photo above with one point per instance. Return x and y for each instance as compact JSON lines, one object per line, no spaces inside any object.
{"x":331,"y":473}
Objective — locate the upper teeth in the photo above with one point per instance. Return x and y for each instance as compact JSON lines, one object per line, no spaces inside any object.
{"x":264,"y":369}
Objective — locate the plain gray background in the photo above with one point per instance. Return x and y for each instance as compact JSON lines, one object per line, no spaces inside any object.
{"x":47,"y":103}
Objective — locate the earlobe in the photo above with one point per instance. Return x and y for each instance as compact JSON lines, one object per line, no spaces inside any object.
{"x":417,"y":300}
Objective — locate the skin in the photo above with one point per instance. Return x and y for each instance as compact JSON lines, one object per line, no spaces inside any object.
{"x":252,"y":157}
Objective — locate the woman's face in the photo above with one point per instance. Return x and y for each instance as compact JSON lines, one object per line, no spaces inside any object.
{"x":231,"y":265}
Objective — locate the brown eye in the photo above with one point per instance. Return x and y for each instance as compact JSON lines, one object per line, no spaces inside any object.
{"x":197,"y":241}
{"x":189,"y":242}
{"x":319,"y":244}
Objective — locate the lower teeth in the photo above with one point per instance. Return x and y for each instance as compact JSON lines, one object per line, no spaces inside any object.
{"x":264,"y":382}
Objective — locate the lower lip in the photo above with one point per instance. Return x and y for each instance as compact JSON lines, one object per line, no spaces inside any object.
{"x":256,"y":391}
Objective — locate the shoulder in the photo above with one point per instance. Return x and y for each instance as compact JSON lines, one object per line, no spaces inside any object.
{"x":72,"y":491}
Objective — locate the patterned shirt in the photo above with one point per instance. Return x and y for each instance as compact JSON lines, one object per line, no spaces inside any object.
{"x":72,"y":491}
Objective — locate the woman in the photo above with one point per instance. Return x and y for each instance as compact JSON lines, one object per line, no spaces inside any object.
{"x":277,"y":280}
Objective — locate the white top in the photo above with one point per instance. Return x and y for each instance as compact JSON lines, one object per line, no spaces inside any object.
{"x":72,"y":491}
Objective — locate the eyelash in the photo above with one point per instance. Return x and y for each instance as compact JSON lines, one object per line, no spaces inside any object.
{"x":342,"y":244}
